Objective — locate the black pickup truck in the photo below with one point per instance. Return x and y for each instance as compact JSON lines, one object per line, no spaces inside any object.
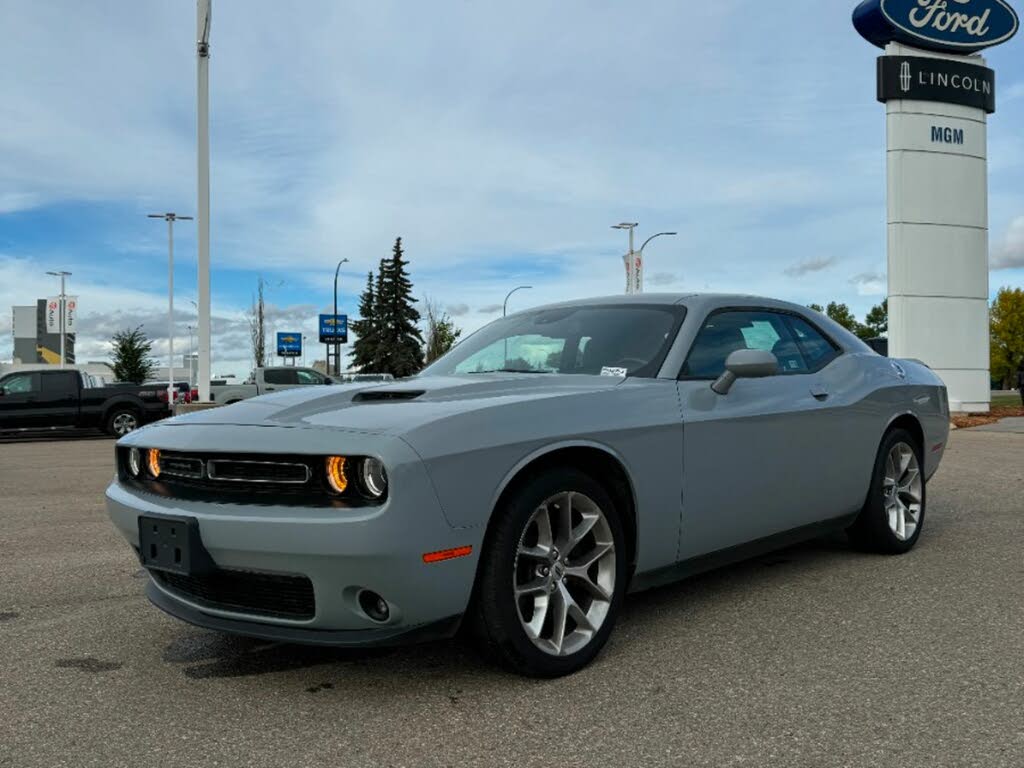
{"x":66,"y":399}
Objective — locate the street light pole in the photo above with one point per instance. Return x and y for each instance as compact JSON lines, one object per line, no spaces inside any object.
{"x":504,"y":307}
{"x":504,"y":312}
{"x":337,"y":362}
{"x":203,"y":11}
{"x":640,"y":259}
{"x":170,"y":218}
{"x":63,"y":303}
{"x":635,"y":259}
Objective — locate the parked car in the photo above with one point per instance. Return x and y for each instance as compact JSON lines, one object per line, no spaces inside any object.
{"x":526,"y":481}
{"x":44,"y":399}
{"x":264,"y":380}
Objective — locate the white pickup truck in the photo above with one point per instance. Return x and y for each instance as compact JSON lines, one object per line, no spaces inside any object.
{"x":264,"y":380}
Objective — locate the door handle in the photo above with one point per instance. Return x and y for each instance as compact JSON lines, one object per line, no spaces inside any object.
{"x":269,"y":389}
{"x":819,"y":392}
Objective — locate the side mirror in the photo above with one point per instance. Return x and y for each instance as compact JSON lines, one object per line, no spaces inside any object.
{"x":745,"y":364}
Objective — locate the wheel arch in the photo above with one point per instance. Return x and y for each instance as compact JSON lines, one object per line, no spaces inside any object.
{"x":599,"y":461}
{"x":909,"y":422}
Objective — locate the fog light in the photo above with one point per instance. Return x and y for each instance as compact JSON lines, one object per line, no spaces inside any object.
{"x":336,"y":477}
{"x":134,"y":462}
{"x":153,"y":462}
{"x":374,"y":606}
{"x":373,"y":478}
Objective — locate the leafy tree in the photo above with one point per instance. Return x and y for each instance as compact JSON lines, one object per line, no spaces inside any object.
{"x":877,"y":320}
{"x":131,"y":354}
{"x":399,"y":344}
{"x":817,"y":308}
{"x":257,"y":327}
{"x":441,"y":331}
{"x":364,"y":351}
{"x":1007,"y":334}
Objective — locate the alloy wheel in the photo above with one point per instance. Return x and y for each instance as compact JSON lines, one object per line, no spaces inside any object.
{"x":564,"y":574}
{"x":901,"y":489}
{"x":124,"y":423}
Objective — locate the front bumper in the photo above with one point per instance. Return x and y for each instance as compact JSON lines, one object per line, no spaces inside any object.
{"x":342,"y":551}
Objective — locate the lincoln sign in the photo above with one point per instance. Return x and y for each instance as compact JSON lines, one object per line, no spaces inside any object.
{"x":948,"y":26}
{"x":927,"y":79}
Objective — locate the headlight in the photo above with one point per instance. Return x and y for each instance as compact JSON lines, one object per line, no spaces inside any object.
{"x":134,"y":462}
{"x":336,"y":477}
{"x":153,"y":462}
{"x":373,"y":478}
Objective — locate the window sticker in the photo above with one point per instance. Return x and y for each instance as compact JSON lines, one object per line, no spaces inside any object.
{"x":620,"y":372}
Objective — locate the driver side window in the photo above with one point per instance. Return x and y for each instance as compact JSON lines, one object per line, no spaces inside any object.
{"x":22,"y":383}
{"x":725,"y":332}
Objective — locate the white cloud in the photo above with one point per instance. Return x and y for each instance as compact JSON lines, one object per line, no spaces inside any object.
{"x":1009,"y":253}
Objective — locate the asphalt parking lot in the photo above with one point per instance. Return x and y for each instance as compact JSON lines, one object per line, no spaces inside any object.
{"x":815,"y":656}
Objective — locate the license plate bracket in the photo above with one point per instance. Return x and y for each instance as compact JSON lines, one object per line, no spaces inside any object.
{"x":169,"y":543}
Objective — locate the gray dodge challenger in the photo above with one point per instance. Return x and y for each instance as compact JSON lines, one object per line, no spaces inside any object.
{"x":522,"y":484}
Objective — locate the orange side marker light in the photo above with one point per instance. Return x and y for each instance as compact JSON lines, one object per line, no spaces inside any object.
{"x":447,"y":554}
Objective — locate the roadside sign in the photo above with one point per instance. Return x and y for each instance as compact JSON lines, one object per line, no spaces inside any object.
{"x":289,"y":344}
{"x":53,"y":314}
{"x":333,"y":328}
{"x":70,"y":313}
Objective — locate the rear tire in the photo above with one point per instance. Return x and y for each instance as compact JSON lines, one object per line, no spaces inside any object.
{"x":893,"y":515}
{"x":121,"y":420}
{"x":552,"y":575}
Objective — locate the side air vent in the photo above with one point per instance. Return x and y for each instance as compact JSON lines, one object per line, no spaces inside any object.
{"x":378,"y":396}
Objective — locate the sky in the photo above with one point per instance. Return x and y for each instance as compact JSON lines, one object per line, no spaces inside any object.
{"x":500,"y":141}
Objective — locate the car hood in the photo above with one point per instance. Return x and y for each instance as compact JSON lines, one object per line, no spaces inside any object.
{"x":395,"y":406}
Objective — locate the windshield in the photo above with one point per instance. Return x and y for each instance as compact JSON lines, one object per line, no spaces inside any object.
{"x":612,"y":339}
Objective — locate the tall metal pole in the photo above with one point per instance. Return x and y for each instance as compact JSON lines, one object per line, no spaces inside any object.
{"x":203,"y":12}
{"x":61,"y":310}
{"x":628,"y":258}
{"x":504,"y":312}
{"x":337,"y":364}
{"x":170,"y":218}
{"x":63,"y":303}
{"x":640,"y":255}
{"x":170,"y":313}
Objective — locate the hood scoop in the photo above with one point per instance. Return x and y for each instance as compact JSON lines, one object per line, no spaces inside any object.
{"x":386,"y":395}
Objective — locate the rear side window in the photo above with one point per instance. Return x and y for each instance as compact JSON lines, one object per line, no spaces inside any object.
{"x":59,"y":383}
{"x":817,"y":350}
{"x":279,"y":376}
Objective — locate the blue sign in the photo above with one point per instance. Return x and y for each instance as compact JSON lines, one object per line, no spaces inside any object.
{"x":289,"y":344}
{"x":950,"y":26}
{"x":334,"y":329}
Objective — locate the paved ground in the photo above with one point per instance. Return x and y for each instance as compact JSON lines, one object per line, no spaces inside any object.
{"x":1012,"y":424}
{"x":816,"y":656}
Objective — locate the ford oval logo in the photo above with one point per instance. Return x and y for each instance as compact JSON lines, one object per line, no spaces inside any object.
{"x":951,"y":26}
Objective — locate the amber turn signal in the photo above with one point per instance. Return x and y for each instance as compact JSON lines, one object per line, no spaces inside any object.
{"x":153,"y":462}
{"x":336,"y":477}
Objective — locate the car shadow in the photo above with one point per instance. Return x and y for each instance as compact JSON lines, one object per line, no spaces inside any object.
{"x":205,"y":655}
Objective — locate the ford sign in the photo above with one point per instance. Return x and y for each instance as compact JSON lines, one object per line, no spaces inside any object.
{"x":950,"y":26}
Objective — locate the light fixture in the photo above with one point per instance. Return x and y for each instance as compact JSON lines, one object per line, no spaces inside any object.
{"x":373,"y":478}
{"x":336,"y":477}
{"x":153,"y":462}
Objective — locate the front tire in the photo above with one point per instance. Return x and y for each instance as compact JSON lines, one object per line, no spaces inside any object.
{"x":893,"y":515}
{"x":552,"y":576}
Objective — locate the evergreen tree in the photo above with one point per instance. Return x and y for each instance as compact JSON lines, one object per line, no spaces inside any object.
{"x":399,"y":344}
{"x":364,"y":351}
{"x":131,"y":356}
{"x":877,"y":320}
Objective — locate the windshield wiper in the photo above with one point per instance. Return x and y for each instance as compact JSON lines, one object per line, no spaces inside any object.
{"x":509,"y":370}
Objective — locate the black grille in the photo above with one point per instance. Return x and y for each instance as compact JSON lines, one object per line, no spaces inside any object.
{"x":266,"y":594}
{"x":258,"y":471}
{"x":180,"y":466}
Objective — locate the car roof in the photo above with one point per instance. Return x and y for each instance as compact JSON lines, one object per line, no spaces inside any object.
{"x":703,"y":303}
